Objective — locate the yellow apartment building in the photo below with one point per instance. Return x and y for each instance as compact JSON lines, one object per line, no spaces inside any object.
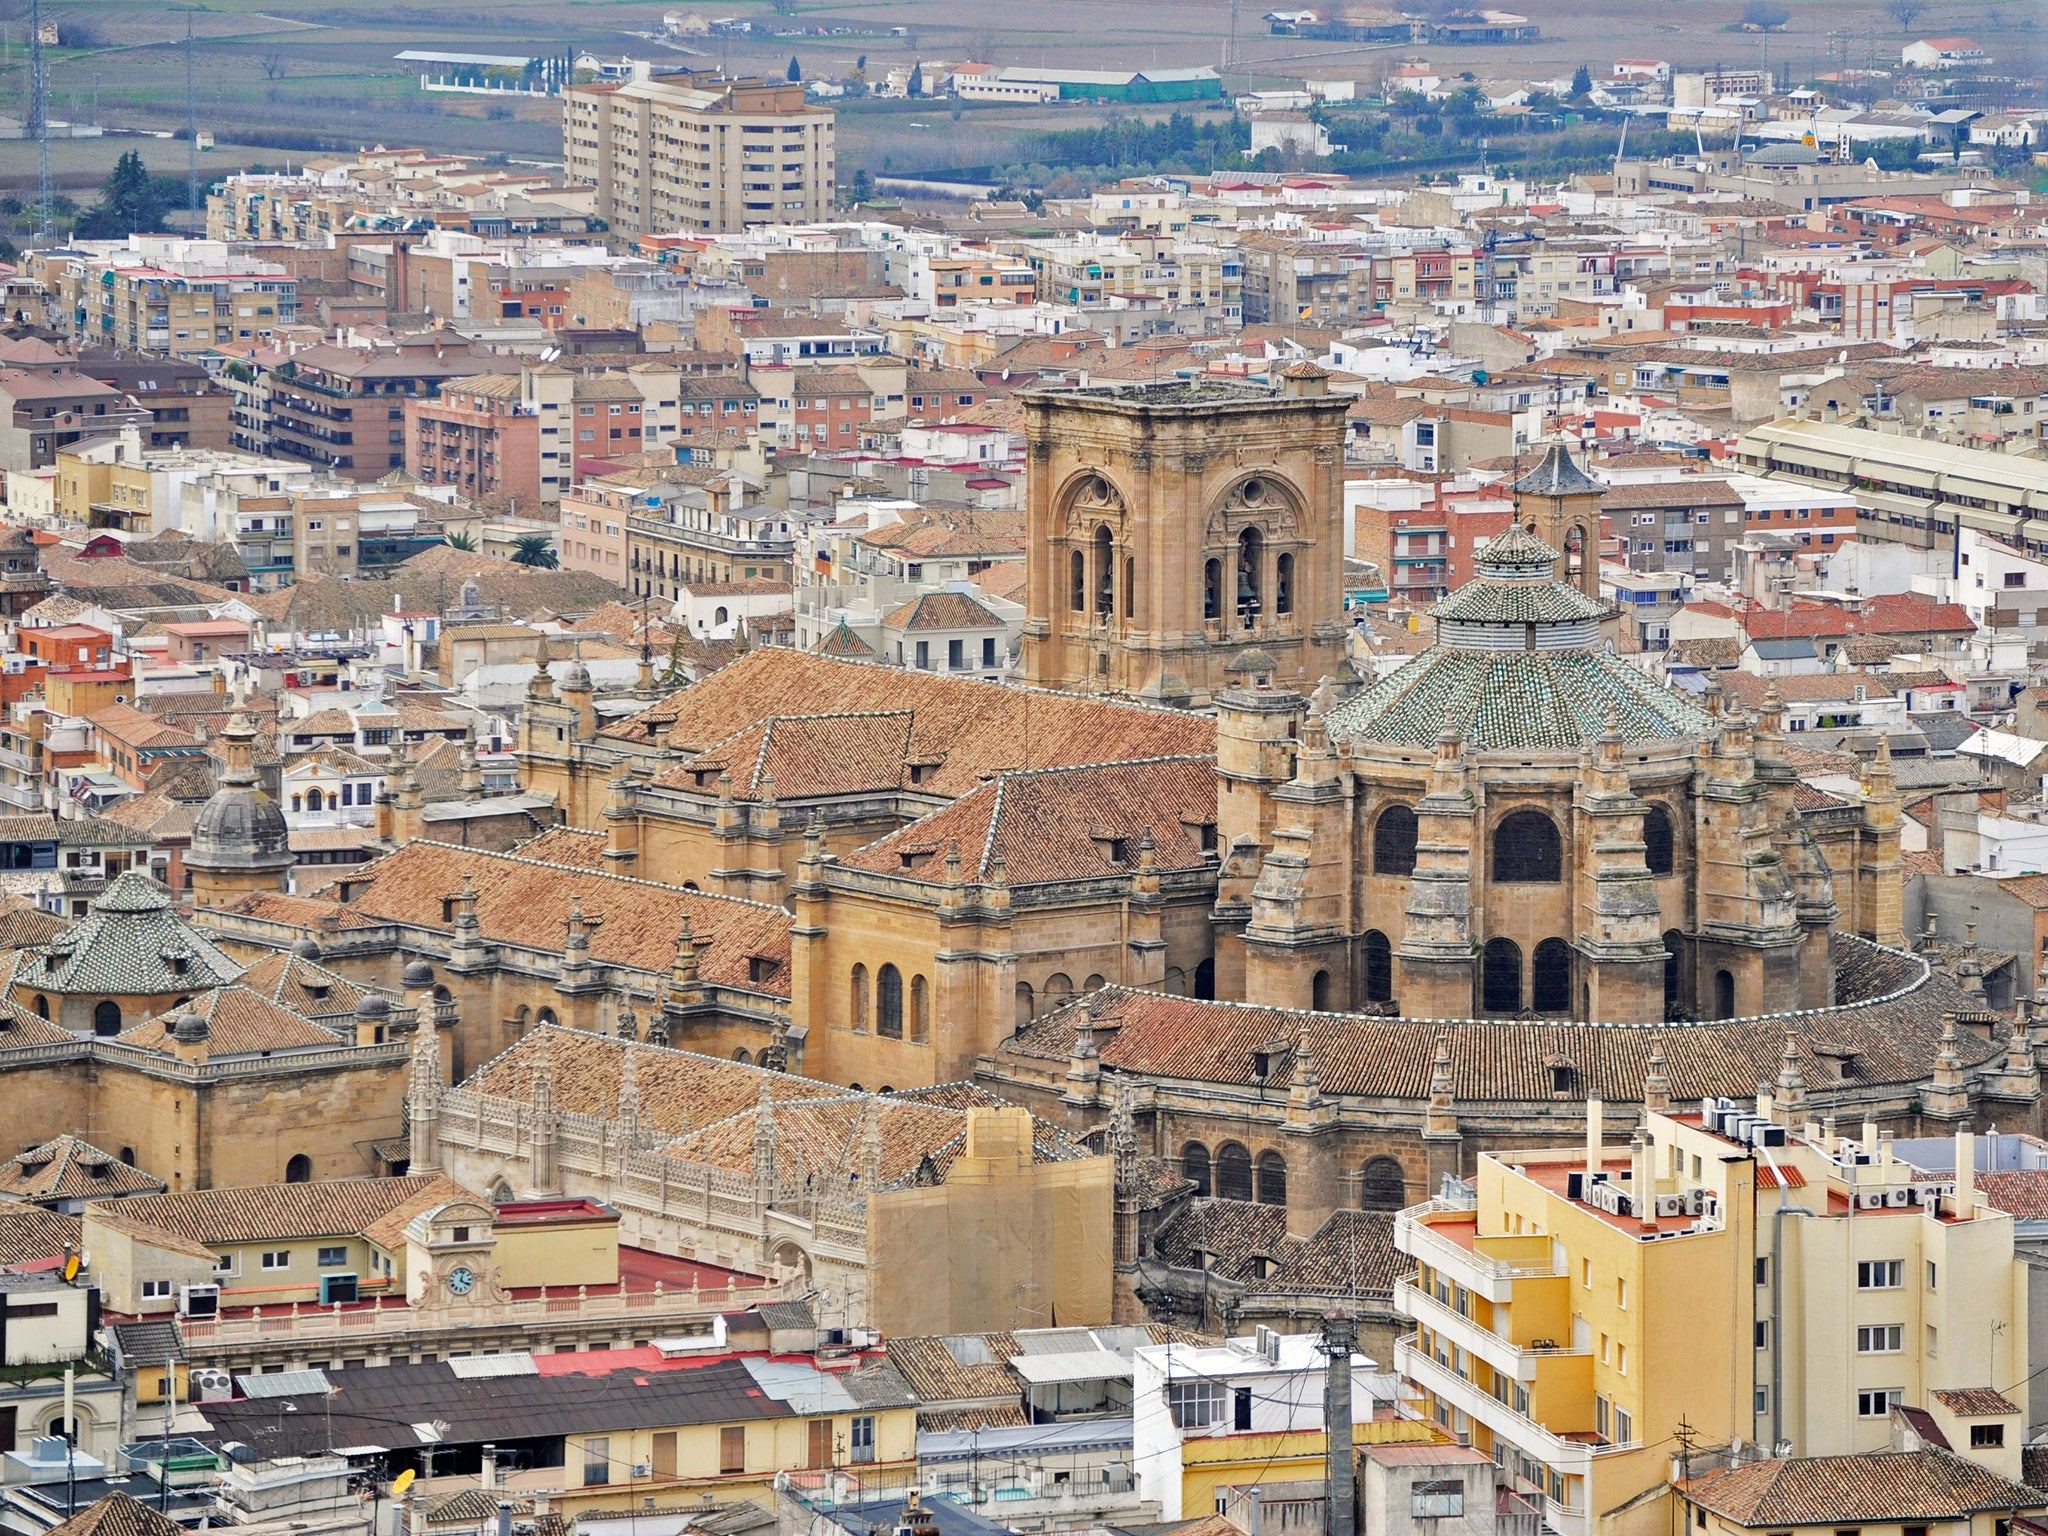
{"x":1568,"y":1334}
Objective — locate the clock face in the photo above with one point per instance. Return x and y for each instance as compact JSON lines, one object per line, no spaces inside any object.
{"x":460,"y":1279}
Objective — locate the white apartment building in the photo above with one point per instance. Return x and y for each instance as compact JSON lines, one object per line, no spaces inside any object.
{"x":700,"y":153}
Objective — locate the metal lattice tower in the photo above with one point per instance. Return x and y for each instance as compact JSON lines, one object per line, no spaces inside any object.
{"x":191,"y":134}
{"x":39,"y":115}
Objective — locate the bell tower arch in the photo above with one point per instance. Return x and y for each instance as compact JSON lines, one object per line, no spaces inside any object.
{"x":1170,"y":526}
{"x":1560,"y":503}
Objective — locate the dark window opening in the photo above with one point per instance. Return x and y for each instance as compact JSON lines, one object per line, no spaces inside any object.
{"x":1393,"y":841}
{"x":1527,"y":849}
{"x":1500,"y":980}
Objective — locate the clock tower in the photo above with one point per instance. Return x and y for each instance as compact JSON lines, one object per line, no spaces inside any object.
{"x":451,"y":1254}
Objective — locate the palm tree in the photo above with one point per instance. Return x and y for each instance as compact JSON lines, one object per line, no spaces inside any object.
{"x":534,"y":549}
{"x":460,"y":539}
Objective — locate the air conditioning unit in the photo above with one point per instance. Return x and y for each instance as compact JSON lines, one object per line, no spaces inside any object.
{"x":337,"y":1288}
{"x":643,"y":1468}
{"x":1896,"y":1196}
{"x":1694,"y":1199}
{"x":1869,"y":1199}
{"x":210,"y":1384}
{"x":199,"y":1301}
{"x":1671,"y":1205}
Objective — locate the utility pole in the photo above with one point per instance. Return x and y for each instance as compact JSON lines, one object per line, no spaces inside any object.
{"x":39,"y":115}
{"x":1340,"y":1502}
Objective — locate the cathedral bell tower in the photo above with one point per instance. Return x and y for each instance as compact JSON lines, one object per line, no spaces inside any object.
{"x":1171,"y":526}
{"x":1560,"y":503}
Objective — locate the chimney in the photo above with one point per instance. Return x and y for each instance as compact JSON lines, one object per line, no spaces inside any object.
{"x":487,"y":1478}
{"x":1966,"y":1175}
{"x":1592,"y":1139}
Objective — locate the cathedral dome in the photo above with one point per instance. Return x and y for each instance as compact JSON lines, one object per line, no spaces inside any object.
{"x":240,"y":827}
{"x":1518,"y":665}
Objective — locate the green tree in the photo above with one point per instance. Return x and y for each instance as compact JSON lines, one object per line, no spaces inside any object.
{"x":1582,"y":83}
{"x":536,"y":550}
{"x":459,"y":539}
{"x":131,"y":202}
{"x":795,"y":71}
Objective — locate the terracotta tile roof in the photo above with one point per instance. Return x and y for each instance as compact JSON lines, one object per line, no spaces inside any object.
{"x":1895,"y":1041}
{"x":1351,"y":1255}
{"x":1230,"y":1238}
{"x":1748,"y":688}
{"x":806,"y":755}
{"x":952,"y":531}
{"x":1061,"y":824}
{"x":942,"y":610}
{"x":1011,"y":1416}
{"x":1875,"y":1486}
{"x":678,"y":1089}
{"x":570,"y":846}
{"x":274,"y":1212}
{"x":970,"y":729}
{"x":301,"y":911}
{"x":70,"y":1169}
{"x":239,"y":1022}
{"x":303,"y":986}
{"x":1974,"y":1402}
{"x":823,"y":1138}
{"x":24,"y":924}
{"x":118,"y":1514}
{"x":1005,"y":579}
{"x":947,"y":1368}
{"x":2022,"y":1192}
{"x":525,"y":903}
{"x":30,"y":1234}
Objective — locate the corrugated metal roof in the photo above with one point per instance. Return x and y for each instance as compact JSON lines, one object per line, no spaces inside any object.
{"x":483,"y":1367}
{"x":802,"y":1388}
{"x":283,"y":1384}
{"x":1080,"y":1365}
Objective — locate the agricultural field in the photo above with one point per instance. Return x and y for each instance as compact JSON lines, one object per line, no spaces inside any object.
{"x":275,"y":79}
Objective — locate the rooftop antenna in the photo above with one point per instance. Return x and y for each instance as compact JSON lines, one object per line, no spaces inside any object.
{"x":39,"y":115}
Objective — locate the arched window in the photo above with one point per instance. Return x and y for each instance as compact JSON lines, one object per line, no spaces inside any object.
{"x":315,"y":800}
{"x":1077,"y":582}
{"x":719,"y":616}
{"x":1059,"y":986}
{"x":1393,"y":841}
{"x":1550,"y":977}
{"x":547,"y":1016}
{"x":1500,"y":978}
{"x":299,"y":1170}
{"x":1105,"y":572}
{"x":298,"y":802}
{"x":42,"y":1006}
{"x":1526,"y":849}
{"x":1212,"y":589}
{"x":1205,"y":981}
{"x":1657,"y":840}
{"x":1027,"y":1004}
{"x":741,"y":1056}
{"x":1283,"y":584}
{"x":1175,"y":983}
{"x":1272,"y":1179}
{"x":889,"y":1002}
{"x":1724,"y":994}
{"x":1379,"y":967}
{"x":128,"y":1156}
{"x":920,"y":1008}
{"x":1194,"y":1162}
{"x":106,"y":1018}
{"x":1233,"y":1172}
{"x":857,"y":998}
{"x":1382,"y":1185}
{"x":1319,"y":992}
{"x":1674,"y":979}
{"x":1094,"y":983}
{"x":1249,"y":550}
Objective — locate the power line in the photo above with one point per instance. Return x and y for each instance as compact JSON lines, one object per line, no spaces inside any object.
{"x":39,"y":115}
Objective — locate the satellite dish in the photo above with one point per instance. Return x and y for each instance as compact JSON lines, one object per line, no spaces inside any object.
{"x":402,"y":1482}
{"x":71,"y":1265}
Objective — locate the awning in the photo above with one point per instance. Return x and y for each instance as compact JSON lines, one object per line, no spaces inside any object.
{"x":1079,"y":1365}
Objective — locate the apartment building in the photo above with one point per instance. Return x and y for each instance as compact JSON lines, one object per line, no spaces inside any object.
{"x":344,"y":408}
{"x":700,"y":153}
{"x":480,"y":436}
{"x":181,"y":297}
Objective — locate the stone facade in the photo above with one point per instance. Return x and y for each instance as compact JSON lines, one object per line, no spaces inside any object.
{"x":1170,"y":526}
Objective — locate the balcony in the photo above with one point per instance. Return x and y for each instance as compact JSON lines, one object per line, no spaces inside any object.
{"x":1510,"y":1359}
{"x":1569,"y":1456}
{"x":1489,"y":1275}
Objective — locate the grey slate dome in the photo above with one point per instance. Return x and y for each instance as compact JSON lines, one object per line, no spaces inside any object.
{"x":418,"y":974}
{"x":1557,"y":474}
{"x":307,"y":948}
{"x":241,"y":827}
{"x":575,"y":677}
{"x":373,"y":1007}
{"x":188,"y":1026}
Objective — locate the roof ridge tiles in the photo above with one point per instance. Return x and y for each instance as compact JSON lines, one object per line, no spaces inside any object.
{"x":601,"y":874}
